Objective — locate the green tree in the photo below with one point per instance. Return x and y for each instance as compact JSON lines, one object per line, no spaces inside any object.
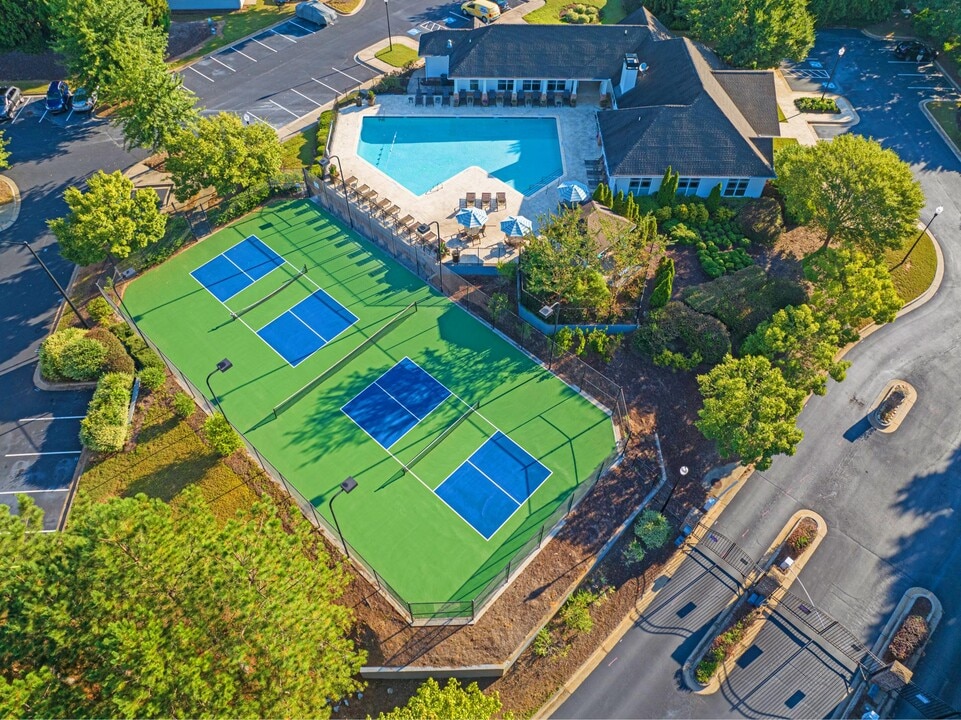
{"x":109,"y":219}
{"x":151,"y":105}
{"x":835,"y":12}
{"x":158,"y":14}
{"x":4,"y":152}
{"x":852,"y":288}
{"x":452,"y":702}
{"x":140,"y":610}
{"x":496,"y":306}
{"x":803,"y":343}
{"x":753,"y":33}
{"x":224,"y":154}
{"x":26,"y":25}
{"x":667,"y":191}
{"x":749,"y":410}
{"x":852,"y":189}
{"x":940,"y":20}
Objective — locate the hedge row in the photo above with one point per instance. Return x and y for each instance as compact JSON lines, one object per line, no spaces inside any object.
{"x":105,"y":427}
{"x":75,"y":354}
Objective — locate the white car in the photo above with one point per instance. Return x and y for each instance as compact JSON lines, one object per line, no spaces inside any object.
{"x":84,"y":101}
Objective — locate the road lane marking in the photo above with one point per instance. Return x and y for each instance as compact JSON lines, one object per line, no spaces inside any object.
{"x":260,"y":43}
{"x":37,"y":454}
{"x":334,"y":90}
{"x":306,"y":98}
{"x":346,"y":75}
{"x":211,"y":57}
{"x":283,"y":108}
{"x":56,"y":417}
{"x":191,"y":67}
{"x":241,"y":52}
{"x":283,"y":36}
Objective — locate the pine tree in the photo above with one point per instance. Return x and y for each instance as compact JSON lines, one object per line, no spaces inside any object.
{"x":668,"y":191}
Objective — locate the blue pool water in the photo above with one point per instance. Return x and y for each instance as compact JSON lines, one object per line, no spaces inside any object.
{"x":423,"y":152}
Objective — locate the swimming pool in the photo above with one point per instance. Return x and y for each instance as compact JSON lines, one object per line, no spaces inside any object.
{"x":422,"y":152}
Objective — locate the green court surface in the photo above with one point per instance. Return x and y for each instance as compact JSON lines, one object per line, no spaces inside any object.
{"x":424,"y":549}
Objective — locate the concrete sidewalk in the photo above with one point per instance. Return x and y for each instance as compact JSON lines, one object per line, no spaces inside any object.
{"x":799,"y":125}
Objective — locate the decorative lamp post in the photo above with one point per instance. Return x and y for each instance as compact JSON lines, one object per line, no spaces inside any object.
{"x":325,"y":161}
{"x":223,"y":366}
{"x":937,"y":211}
{"x":347,"y":486}
{"x":681,"y":473}
{"x":826,"y":85}
{"x":390,"y":40}
{"x":545,"y":312}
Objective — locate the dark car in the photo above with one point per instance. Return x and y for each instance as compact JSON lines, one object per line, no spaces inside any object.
{"x":10,"y":102}
{"x":58,"y":97}
{"x":914,"y":50}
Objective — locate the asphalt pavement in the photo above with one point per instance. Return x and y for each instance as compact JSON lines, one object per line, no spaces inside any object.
{"x":39,"y":445}
{"x":890,"y":501}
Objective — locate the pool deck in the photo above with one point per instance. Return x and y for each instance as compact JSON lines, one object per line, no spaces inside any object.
{"x":577,"y":134}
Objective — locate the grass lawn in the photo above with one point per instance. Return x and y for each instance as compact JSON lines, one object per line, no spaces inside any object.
{"x":344,"y":6}
{"x":28,"y":87}
{"x":300,"y":150}
{"x":783,"y":142}
{"x":781,"y":117}
{"x":612,"y":11}
{"x":398,"y":57}
{"x":168,"y":457}
{"x":945,"y":114}
{"x":915,"y":275}
{"x":241,"y":23}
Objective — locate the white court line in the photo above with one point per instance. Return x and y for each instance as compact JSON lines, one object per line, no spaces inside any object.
{"x":33,"y":492}
{"x":260,"y":43}
{"x":492,"y":481}
{"x":37,"y":454}
{"x":241,"y":52}
{"x":59,"y":417}
{"x":282,"y":35}
{"x":252,"y":281}
{"x":405,"y":408}
{"x":283,"y":108}
{"x":211,"y":57}
{"x":346,"y":75}
{"x":305,"y":29}
{"x":305,"y":97}
{"x":301,"y":320}
{"x":191,"y":67}
{"x":334,"y":90}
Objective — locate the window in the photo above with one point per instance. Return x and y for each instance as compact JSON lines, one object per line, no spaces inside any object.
{"x":531,"y":85}
{"x":505,"y":86}
{"x":556,"y":85}
{"x":640,"y":186}
{"x":688,"y":186}
{"x":474,"y":85}
{"x":735,"y":187}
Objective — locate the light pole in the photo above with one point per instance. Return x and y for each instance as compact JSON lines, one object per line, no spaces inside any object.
{"x":681,"y":473}
{"x":390,"y":40}
{"x":826,"y":85}
{"x":440,"y":254}
{"x":345,"y":487}
{"x":937,"y":211}
{"x":545,"y":312}
{"x":52,"y":279}
{"x":325,"y":161}
{"x":223,"y":366}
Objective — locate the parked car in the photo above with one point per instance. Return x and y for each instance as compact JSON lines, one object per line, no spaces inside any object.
{"x":10,"y":102}
{"x":58,"y":97}
{"x":83,"y":101}
{"x":914,"y":50}
{"x":483,"y":9}
{"x":316,"y":12}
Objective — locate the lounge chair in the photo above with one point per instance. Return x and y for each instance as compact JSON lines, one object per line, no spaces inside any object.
{"x":462,"y":204}
{"x":445,"y":100}
{"x":550,"y":98}
{"x":485,"y":200}
{"x":521,"y":97}
{"x":567,"y":97}
{"x":471,"y":199}
{"x":502,"y":199}
{"x":462,"y":96}
{"x":418,"y":99}
{"x":477,"y":97}
{"x":494,"y":205}
{"x":499,"y":98}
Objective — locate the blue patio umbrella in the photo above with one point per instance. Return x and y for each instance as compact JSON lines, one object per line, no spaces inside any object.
{"x":517,"y":226}
{"x":573,"y":192}
{"x":472,"y":217}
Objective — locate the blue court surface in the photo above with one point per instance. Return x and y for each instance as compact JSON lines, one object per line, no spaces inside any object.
{"x":492,"y":483}
{"x":237,"y":268}
{"x":394,"y":403}
{"x":306,"y":327}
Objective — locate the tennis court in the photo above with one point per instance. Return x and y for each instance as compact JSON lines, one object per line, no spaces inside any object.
{"x":346,"y":364}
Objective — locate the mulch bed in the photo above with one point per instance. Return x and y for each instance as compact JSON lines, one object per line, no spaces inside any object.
{"x":26,"y":66}
{"x":912,"y":634}
{"x":186,"y":36}
{"x":798,"y":541}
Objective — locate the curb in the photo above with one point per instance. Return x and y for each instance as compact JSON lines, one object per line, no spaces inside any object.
{"x":738,"y":479}
{"x":367,"y":55}
{"x":9,"y":212}
{"x":897,"y":616}
{"x":846,"y":114}
{"x":360,"y":6}
{"x":48,"y":386}
{"x":785,"y":580}
{"x":937,"y":126}
{"x":911,"y":397}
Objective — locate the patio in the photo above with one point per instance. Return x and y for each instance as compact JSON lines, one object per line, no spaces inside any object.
{"x":577,"y":131}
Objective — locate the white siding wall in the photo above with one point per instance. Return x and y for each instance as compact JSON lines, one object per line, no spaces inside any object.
{"x":754,"y":186}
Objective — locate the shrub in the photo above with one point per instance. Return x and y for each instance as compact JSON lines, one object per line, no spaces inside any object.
{"x":99,"y":310}
{"x":221,"y":436}
{"x":663,"y":283}
{"x":576,"y":614}
{"x":652,"y":529}
{"x":563,"y":339}
{"x":667,"y":192}
{"x":82,"y":359}
{"x":663,"y":213}
{"x":324,"y":124}
{"x":910,"y":636}
{"x":51,"y":351}
{"x":678,"y":361}
{"x":713,"y":202}
{"x":184,"y":405}
{"x":682,"y":234}
{"x":543,"y":643}
{"x":680,"y":329}
{"x":117,"y":359}
{"x":242,"y":203}
{"x":816,"y":105}
{"x":104,"y":429}
{"x":708,"y":666}
{"x":634,"y":552}
{"x":761,"y":221}
{"x":152,"y":378}
{"x":603,"y":344}
{"x":143,"y":356}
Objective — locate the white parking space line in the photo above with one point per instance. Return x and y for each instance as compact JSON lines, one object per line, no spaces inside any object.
{"x":305,"y":29}
{"x":283,"y":108}
{"x":191,"y":67}
{"x":260,"y":43}
{"x":42,"y":116}
{"x":258,"y":119}
{"x":939,"y":88}
{"x":38,"y":454}
{"x":305,"y":97}
{"x":211,"y":57}
{"x":61,"y":417}
{"x":241,"y":52}
{"x":283,"y":36}
{"x":334,"y":90}
{"x":930,"y":75}
{"x":33,"y":492}
{"x":346,"y":75}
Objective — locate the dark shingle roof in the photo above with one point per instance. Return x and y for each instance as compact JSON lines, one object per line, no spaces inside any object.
{"x":537,"y":51}
{"x":753,"y":92}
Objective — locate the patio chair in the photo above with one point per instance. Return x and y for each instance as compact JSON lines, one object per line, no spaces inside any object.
{"x":462,"y":96}
{"x":445,"y":100}
{"x":477,"y":97}
{"x":543,"y":99}
{"x":567,"y":97}
{"x":494,"y":205}
{"x":558,"y":99}
{"x":502,"y":199}
{"x":471,"y":199}
{"x":418,"y":99}
{"x":485,"y":200}
{"x":351,"y":181}
{"x":499,"y":98}
{"x":521,"y":97}
{"x":462,"y":204}
{"x":550,"y":97}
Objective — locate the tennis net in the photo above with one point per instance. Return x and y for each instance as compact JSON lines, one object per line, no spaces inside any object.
{"x":377,"y":335}
{"x":265,"y":298}
{"x":440,"y":438}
